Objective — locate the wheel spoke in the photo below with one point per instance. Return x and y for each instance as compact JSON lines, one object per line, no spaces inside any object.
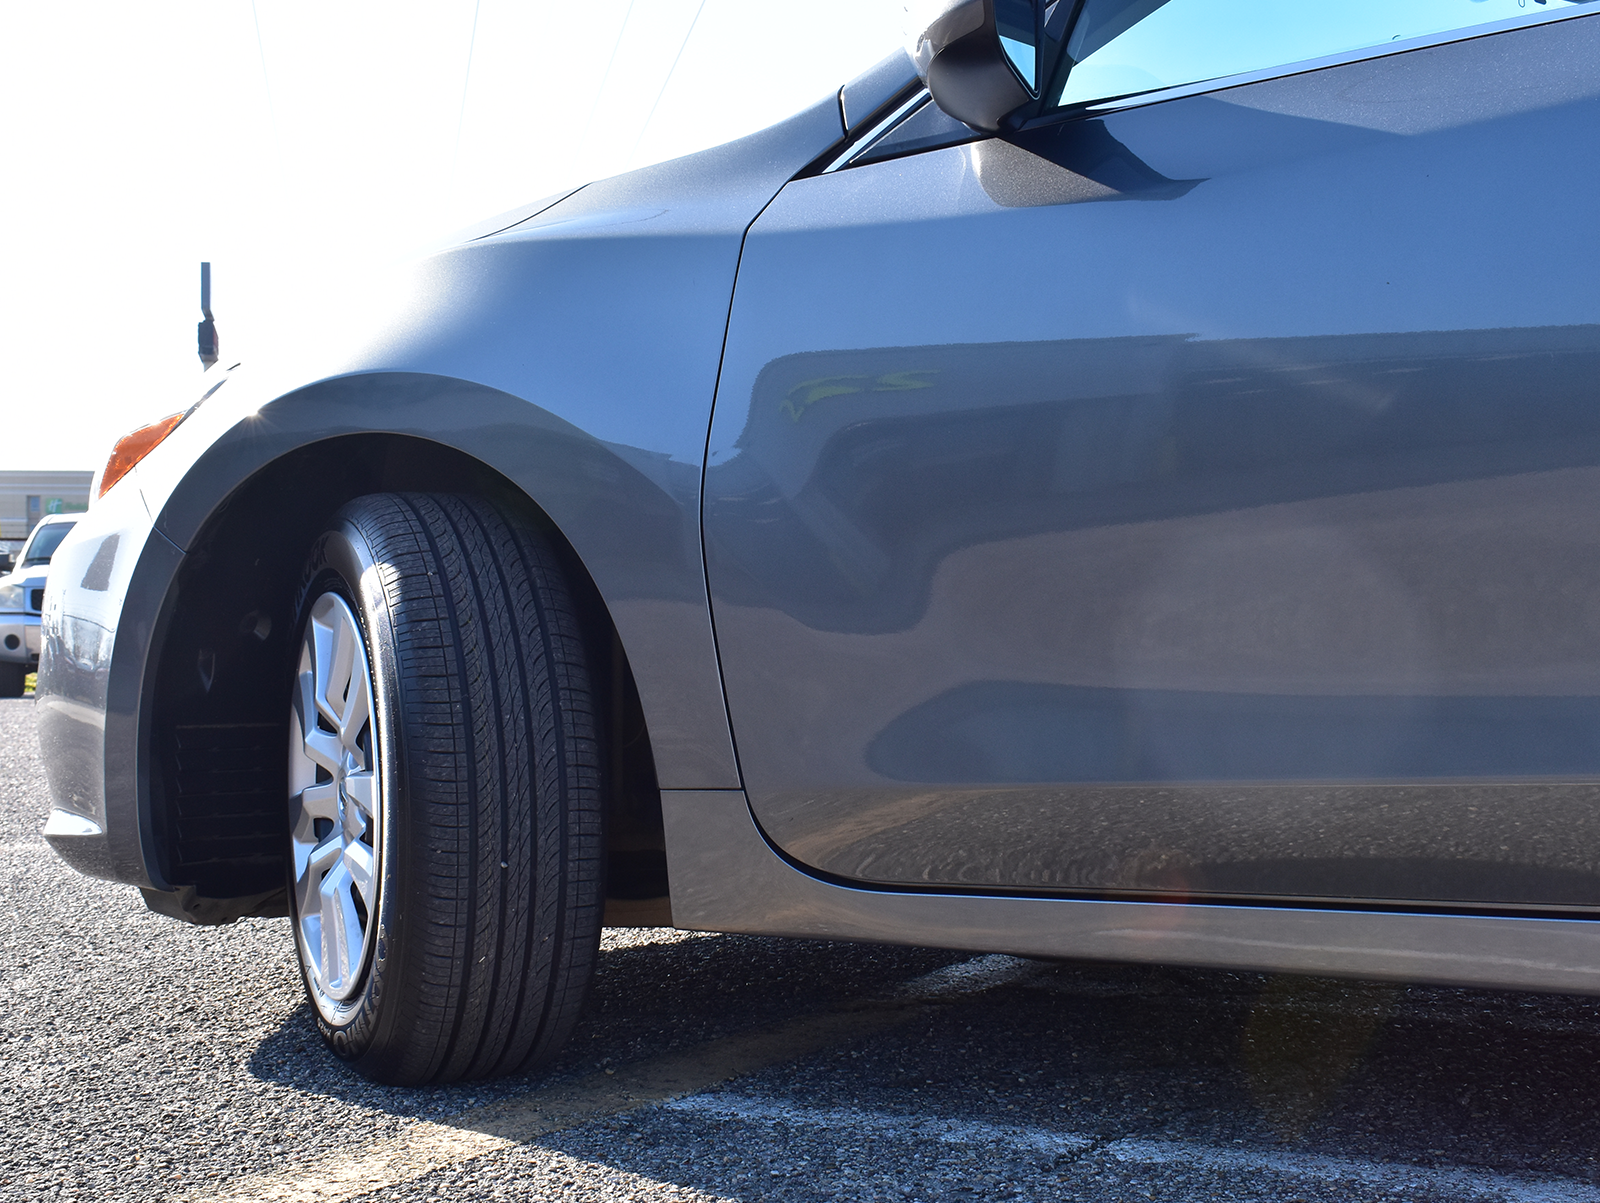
{"x":337,"y":681}
{"x":359,"y":788}
{"x":341,"y":928}
{"x":321,"y":865}
{"x":359,"y":863}
{"x":303,"y":699}
{"x":320,"y":801}
{"x":302,"y":768}
{"x":323,"y":637}
{"x":323,"y":749}
{"x":306,"y":888}
{"x":335,"y":936}
{"x":310,"y":934}
{"x":303,"y":815}
{"x":326,"y":854}
{"x":354,"y":718}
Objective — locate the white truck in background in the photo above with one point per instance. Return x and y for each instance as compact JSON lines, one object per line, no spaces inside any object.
{"x":22,"y":599}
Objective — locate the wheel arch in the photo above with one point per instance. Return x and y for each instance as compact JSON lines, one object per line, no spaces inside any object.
{"x":214,"y":730}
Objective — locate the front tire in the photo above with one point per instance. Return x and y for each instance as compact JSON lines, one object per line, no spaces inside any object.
{"x":13,"y":679}
{"x":446,"y":848}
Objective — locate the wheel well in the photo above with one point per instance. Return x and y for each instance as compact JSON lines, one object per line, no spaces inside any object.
{"x":219,"y":732}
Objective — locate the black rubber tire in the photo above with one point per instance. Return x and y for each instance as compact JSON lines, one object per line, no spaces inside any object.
{"x":491,"y":881}
{"x":13,"y":679}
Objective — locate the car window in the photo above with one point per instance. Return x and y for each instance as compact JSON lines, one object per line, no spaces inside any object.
{"x":44,"y":543}
{"x":1119,"y":47}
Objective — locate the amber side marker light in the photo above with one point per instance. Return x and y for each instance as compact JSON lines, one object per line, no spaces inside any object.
{"x":133,"y":447}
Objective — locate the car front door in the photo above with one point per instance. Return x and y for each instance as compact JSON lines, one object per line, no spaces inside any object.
{"x":1196,"y":496}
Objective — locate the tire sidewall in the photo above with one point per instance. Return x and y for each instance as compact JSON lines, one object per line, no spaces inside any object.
{"x":342,"y":561}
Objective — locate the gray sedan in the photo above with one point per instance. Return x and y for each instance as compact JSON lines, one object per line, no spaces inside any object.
{"x":1118,"y":481}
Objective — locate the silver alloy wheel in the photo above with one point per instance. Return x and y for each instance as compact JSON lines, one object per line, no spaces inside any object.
{"x":335,"y":801}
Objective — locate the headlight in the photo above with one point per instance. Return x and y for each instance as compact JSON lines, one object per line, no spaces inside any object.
{"x":10,"y":597}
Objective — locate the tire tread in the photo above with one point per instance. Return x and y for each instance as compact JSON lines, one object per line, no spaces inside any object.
{"x":503,"y":790}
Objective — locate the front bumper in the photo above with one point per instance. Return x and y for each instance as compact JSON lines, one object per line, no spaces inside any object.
{"x":95,"y":650}
{"x":19,"y":638}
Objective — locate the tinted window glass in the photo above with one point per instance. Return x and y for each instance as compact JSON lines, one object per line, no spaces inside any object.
{"x":1014,"y":19}
{"x":44,"y":543}
{"x":1118,"y":47}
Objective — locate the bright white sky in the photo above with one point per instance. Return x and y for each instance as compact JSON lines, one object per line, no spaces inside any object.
{"x":292,"y":142}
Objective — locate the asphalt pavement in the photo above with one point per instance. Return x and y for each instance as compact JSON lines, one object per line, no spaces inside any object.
{"x":141,"y":1058}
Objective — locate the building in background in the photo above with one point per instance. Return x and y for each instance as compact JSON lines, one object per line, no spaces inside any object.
{"x":25,"y":497}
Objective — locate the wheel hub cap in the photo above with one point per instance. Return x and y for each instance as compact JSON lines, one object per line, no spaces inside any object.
{"x":335,"y":807}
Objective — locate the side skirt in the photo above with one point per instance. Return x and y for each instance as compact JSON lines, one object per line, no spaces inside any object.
{"x":726,"y":877}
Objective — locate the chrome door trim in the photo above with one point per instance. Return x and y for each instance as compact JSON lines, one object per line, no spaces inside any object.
{"x":725,"y":877}
{"x":873,"y":135}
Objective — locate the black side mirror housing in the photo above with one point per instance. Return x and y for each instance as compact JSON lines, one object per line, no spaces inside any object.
{"x":980,"y":59}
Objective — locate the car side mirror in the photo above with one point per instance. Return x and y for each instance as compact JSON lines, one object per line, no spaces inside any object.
{"x":980,"y":59}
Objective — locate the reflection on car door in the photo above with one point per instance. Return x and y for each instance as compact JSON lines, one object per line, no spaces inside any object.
{"x":1199,"y":500}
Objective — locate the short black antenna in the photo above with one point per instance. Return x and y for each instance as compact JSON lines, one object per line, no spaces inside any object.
{"x":208,"y":328}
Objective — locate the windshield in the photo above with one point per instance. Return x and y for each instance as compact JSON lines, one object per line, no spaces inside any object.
{"x":43,"y":544}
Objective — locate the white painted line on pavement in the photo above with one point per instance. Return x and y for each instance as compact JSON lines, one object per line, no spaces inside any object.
{"x":1480,"y":1186}
{"x":971,"y":977}
{"x":879,"y":1123}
